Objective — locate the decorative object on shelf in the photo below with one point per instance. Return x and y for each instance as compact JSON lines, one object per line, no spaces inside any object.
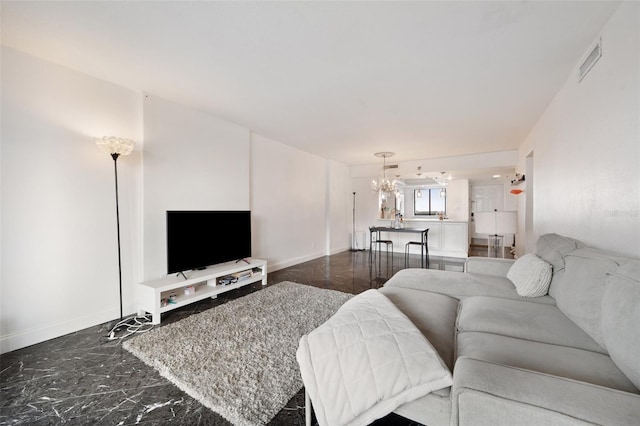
{"x":496,"y":224}
{"x":516,"y":191}
{"x":383,"y":183}
{"x":116,"y":147}
{"x":518,"y":179}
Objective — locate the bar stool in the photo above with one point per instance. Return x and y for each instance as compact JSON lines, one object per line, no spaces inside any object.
{"x":424,"y":242}
{"x":375,"y":233}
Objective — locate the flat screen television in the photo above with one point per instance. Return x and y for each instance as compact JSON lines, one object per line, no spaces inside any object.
{"x":197,"y":239}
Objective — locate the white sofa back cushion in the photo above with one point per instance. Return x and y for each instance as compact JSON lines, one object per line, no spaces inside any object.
{"x":531,"y":276}
{"x":553,"y":248}
{"x":621,"y":319}
{"x":579,"y":294}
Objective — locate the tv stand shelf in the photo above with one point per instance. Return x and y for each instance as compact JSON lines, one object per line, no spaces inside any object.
{"x":205,"y":284}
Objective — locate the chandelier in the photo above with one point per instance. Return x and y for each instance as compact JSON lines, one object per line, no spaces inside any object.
{"x":383,"y":184}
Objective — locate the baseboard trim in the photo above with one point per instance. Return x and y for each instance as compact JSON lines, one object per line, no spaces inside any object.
{"x":338,"y":250}
{"x":33,"y":336}
{"x":272,"y":267}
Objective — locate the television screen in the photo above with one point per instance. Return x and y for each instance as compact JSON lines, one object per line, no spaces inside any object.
{"x":197,"y":239}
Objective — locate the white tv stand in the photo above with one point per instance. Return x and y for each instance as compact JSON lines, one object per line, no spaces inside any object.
{"x":205,"y":284}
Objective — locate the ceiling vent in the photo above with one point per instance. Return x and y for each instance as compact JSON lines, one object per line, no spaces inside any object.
{"x":390,"y":166}
{"x":590,"y":61}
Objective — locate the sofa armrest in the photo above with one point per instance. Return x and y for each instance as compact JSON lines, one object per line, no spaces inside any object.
{"x":488,"y":266}
{"x":495,"y":394}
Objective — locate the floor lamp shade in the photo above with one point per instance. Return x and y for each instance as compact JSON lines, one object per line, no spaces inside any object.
{"x":113,"y":145}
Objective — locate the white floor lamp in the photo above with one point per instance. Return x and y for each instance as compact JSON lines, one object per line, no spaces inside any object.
{"x":354,"y":238}
{"x":116,"y":147}
{"x":496,"y":224}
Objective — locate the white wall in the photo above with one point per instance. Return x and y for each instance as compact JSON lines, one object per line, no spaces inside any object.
{"x":366,"y":209}
{"x":59,"y":247}
{"x":58,"y":253}
{"x":288,"y":203}
{"x":340,"y":218}
{"x":587,"y":147}
{"x":192,"y":161}
{"x":458,"y":199}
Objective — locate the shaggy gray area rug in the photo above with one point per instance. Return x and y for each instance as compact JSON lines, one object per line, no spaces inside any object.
{"x":239,"y":358}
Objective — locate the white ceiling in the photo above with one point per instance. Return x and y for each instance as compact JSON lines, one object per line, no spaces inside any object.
{"x":338,"y":79}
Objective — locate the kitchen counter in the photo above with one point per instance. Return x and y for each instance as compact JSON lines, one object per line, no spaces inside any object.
{"x":448,"y":238}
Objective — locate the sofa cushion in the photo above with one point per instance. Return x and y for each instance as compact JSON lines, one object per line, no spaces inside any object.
{"x":562,"y":361}
{"x":488,"y":266}
{"x":530,"y":275}
{"x":552,"y":248}
{"x":487,"y":393}
{"x":457,"y":284}
{"x":579,"y":295}
{"x":621,"y":319}
{"x":433,"y":314}
{"x":524,"y":320}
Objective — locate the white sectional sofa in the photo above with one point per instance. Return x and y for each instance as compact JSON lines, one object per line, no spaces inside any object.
{"x":570,"y":357}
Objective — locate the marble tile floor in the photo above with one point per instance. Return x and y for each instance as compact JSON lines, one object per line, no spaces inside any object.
{"x":83,"y":378}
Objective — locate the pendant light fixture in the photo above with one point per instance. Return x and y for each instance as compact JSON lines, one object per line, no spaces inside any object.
{"x":383,"y":184}
{"x":443,"y":183}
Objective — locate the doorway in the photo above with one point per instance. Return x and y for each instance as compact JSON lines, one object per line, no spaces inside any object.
{"x":484,"y":198}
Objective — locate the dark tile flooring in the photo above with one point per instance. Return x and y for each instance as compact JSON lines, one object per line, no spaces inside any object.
{"x":82,"y":378}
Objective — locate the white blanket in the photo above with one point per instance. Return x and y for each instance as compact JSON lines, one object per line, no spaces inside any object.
{"x":367,"y":360}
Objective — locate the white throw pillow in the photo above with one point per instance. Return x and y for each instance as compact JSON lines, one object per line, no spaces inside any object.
{"x":531,"y":276}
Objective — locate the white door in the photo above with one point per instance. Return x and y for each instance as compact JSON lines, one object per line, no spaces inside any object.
{"x":485,"y":198}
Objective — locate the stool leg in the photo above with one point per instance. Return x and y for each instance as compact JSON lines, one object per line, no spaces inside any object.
{"x":406,"y":255}
{"x":427,"y":249}
{"x":372,"y":257}
{"x":307,"y":408}
{"x":373,"y":253}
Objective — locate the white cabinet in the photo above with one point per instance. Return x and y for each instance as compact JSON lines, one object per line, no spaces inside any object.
{"x":446,"y":238}
{"x":198,"y":285}
{"x":434,"y":235}
{"x":455,"y":239}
